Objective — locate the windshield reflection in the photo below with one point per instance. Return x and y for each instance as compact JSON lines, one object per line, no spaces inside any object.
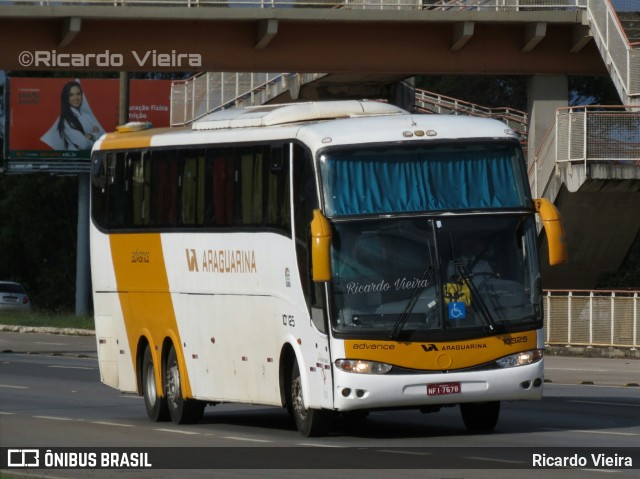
{"x":434,"y":278}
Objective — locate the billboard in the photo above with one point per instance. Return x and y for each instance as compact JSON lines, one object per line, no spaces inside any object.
{"x":59,"y":119}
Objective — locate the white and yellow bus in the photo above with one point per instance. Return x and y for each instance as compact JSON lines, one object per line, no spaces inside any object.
{"x":312,"y":256}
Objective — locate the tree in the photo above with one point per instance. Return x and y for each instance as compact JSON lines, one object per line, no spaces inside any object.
{"x":38,"y":214}
{"x":511,"y":91}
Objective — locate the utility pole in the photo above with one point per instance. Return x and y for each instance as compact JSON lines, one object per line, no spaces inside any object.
{"x":83,"y":270}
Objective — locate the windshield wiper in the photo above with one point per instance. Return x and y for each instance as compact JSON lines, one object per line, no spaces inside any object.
{"x":415,"y":294}
{"x":485,"y":313}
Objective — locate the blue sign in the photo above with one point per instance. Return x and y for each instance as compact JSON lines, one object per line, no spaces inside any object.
{"x":457,"y":310}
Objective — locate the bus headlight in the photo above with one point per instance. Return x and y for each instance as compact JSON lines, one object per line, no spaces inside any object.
{"x":362,"y":367}
{"x":521,"y":359}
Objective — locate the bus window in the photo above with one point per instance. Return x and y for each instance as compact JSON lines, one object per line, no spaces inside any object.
{"x":140,"y":183}
{"x":164,"y":188}
{"x":220,"y":187}
{"x":191,"y":181}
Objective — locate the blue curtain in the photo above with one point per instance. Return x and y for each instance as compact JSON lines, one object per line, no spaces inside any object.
{"x":378,"y":183}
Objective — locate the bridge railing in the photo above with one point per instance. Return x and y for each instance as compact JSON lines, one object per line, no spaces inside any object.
{"x":622,"y":57}
{"x":584,"y":135}
{"x":592,"y":318}
{"x":193,"y":98}
{"x":440,"y":104}
{"x":498,"y":5}
{"x":199,"y":95}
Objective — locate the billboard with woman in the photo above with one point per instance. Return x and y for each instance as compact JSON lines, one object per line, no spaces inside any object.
{"x":61,"y":118}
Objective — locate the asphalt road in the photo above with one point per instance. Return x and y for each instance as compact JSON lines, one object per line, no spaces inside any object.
{"x":50,"y":396}
{"x":558,"y":369}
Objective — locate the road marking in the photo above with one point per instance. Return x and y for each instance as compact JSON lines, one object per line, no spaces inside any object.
{"x":410,"y":453}
{"x":54,"y":418}
{"x":578,"y":369}
{"x":50,"y":344}
{"x":72,"y":367}
{"x":316,"y":445}
{"x":606,"y":403}
{"x":592,"y":432}
{"x":177,"y":431}
{"x":247,"y":439}
{"x":13,"y":387}
{"x":600,"y":470}
{"x":7,"y":413}
{"x":590,"y":386}
{"x":105,"y":423}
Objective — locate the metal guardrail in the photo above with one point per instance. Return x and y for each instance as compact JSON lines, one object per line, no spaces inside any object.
{"x":622,"y":57}
{"x":199,"y":95}
{"x":193,"y":98}
{"x":205,"y":93}
{"x":440,"y":104}
{"x":585,"y":135}
{"x":498,"y":5}
{"x":592,"y":318}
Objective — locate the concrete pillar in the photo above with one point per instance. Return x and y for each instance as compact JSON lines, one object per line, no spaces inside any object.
{"x":403,"y":94}
{"x":545,"y":94}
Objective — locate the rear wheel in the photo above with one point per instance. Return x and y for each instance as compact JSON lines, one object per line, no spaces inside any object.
{"x":310,"y":422}
{"x":182,"y":411}
{"x":480,"y":417}
{"x":156,"y":406}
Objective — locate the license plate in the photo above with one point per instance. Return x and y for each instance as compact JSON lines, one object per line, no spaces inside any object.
{"x":443,"y":389}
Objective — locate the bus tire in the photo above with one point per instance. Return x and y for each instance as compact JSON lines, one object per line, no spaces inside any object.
{"x":309,"y":422}
{"x":182,"y":411}
{"x":156,"y":406}
{"x":480,"y":417}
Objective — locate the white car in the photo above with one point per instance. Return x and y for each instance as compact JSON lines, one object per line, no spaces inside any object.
{"x":13,"y":297}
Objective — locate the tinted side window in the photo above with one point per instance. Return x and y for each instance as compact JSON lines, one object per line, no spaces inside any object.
{"x":232,"y":187}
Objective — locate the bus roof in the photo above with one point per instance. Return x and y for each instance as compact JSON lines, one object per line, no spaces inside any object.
{"x":317,"y":124}
{"x":270,"y":115}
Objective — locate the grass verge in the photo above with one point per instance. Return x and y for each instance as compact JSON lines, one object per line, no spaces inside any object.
{"x":43,"y":319}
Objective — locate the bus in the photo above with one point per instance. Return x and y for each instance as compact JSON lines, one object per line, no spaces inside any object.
{"x":330,"y":258}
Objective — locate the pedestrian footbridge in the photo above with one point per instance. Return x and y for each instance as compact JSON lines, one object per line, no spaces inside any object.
{"x":584,"y":159}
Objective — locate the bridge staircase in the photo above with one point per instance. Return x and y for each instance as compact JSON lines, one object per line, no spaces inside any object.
{"x":630,"y":22}
{"x":616,"y":31}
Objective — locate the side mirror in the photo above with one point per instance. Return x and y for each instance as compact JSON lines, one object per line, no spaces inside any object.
{"x":320,"y":247}
{"x":552,"y":222}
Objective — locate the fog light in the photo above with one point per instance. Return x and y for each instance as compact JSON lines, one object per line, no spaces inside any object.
{"x":346,"y":392}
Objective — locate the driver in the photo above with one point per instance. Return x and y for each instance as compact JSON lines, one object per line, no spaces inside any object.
{"x":468,"y":260}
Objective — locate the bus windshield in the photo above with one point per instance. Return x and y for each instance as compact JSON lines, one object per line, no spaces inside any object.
{"x":435,"y":278}
{"x":405,"y":267}
{"x":416,"y":178}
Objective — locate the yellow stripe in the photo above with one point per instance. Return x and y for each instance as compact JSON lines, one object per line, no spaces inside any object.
{"x":143,"y":288}
{"x":130,"y":140}
{"x":440,"y":356}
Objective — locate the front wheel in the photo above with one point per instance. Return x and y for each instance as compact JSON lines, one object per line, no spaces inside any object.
{"x":156,"y":406}
{"x":181,"y":410}
{"x":310,"y":422}
{"x":480,"y":417}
